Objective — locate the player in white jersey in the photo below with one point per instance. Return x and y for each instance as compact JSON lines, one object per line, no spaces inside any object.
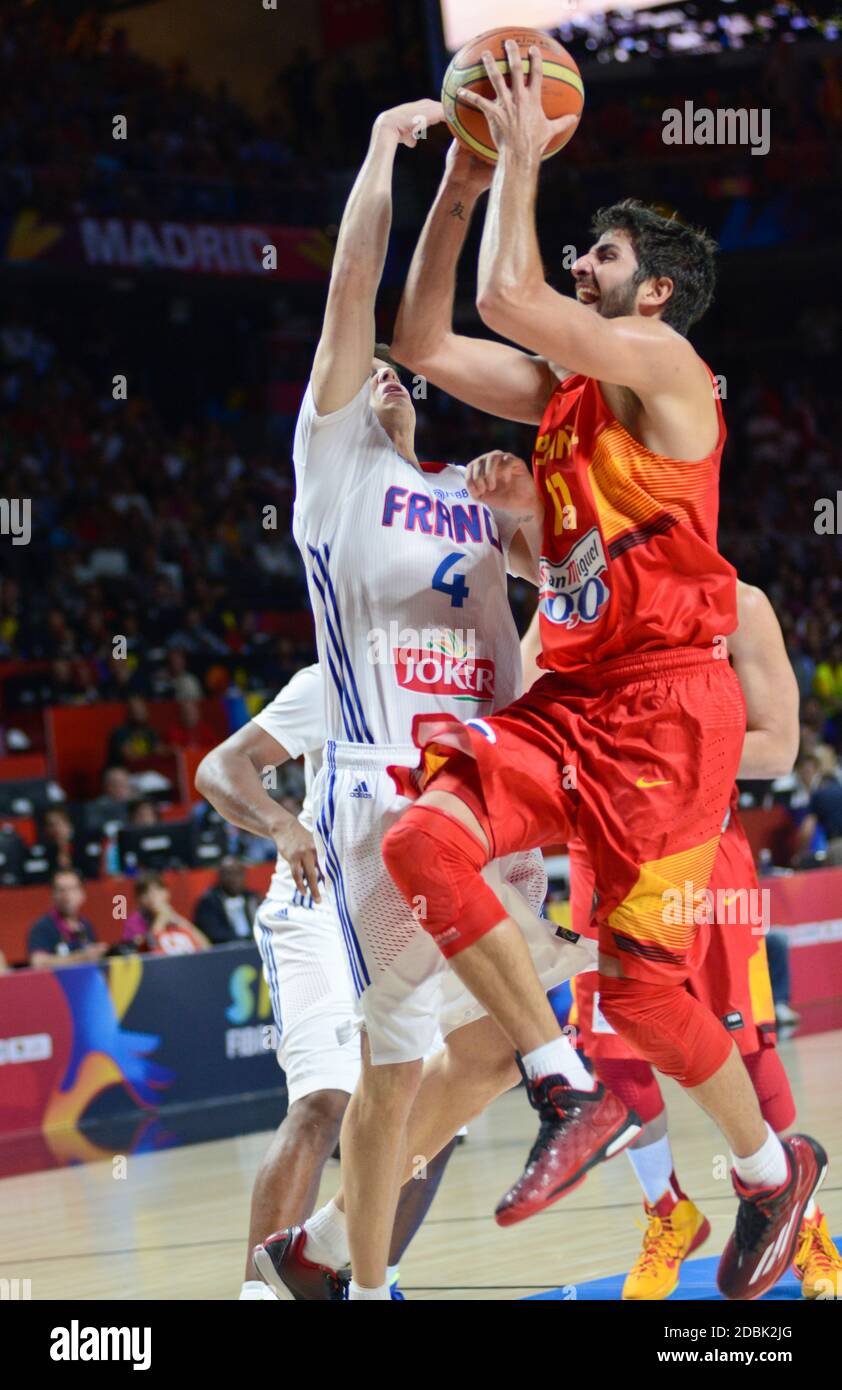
{"x":475,"y":1065}
{"x":300,"y":943}
{"x":407,"y":574}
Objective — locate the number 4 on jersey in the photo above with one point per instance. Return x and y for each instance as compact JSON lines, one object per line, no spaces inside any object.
{"x":455,"y":588}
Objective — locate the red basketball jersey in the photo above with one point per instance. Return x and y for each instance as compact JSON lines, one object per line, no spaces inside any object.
{"x":629,"y":562}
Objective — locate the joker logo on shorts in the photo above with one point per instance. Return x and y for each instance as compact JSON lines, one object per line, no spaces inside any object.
{"x":573,"y":590}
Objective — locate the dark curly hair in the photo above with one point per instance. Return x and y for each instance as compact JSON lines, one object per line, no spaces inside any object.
{"x":665,"y":246}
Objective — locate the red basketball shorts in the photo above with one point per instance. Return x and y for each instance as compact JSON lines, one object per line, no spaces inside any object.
{"x":635,"y":758}
{"x":732,"y":977}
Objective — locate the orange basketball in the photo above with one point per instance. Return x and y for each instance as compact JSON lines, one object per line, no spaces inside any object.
{"x":562,"y":92}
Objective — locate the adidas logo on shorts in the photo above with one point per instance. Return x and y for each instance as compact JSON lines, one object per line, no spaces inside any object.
{"x":360,"y":790}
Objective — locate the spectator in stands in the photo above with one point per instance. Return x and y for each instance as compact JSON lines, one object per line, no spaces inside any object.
{"x":155,"y":926}
{"x":63,"y":936}
{"x":136,"y":739}
{"x":226,"y":912}
{"x":190,"y":730}
{"x":827,"y":681}
{"x":144,"y":813}
{"x":196,"y":637}
{"x":820,"y":808}
{"x":117,"y":785}
{"x":65,"y":849}
{"x":70,"y":682}
{"x":175,"y":681}
{"x":817,"y":732}
{"x":13,"y":852}
{"x":120,"y":678}
{"x":777,"y":952}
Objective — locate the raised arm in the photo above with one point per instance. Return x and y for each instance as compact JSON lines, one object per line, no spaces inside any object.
{"x":491,"y":376}
{"x":637,"y":350}
{"x":230,"y":777}
{"x":346,"y":347}
{"x":771,"y":693}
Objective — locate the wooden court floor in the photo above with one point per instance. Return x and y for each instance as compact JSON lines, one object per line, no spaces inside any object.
{"x":174,"y":1227}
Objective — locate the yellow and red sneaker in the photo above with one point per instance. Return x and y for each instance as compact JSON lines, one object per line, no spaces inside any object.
{"x":817,"y":1262}
{"x":675,"y":1229}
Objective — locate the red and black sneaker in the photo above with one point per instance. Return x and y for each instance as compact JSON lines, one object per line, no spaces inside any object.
{"x":578,"y":1130}
{"x":768,"y":1222}
{"x":281,"y":1264}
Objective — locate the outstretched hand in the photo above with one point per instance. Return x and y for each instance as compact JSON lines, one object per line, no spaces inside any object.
{"x":410,"y":122}
{"x":503,"y":481}
{"x":516,"y":117}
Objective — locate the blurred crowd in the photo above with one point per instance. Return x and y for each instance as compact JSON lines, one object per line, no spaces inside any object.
{"x":628,"y":36}
{"x":67,"y":935}
{"x":64,"y":79}
{"x":159,"y":580}
{"x":198,"y":154}
{"x":152,"y":545}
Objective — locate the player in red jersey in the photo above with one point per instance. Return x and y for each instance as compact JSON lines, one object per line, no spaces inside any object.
{"x":732,"y":979}
{"x":632,"y":738}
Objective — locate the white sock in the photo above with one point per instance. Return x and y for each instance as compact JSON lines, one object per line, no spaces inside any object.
{"x":653,"y":1165}
{"x":766,"y":1168}
{"x":254,"y":1290}
{"x":558,"y":1058}
{"x":358,"y":1294}
{"x":327,"y":1237}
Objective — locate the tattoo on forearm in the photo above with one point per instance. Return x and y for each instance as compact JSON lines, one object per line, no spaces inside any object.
{"x":458,"y":210}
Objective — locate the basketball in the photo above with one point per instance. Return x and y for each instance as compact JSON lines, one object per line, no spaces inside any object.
{"x":563,"y":92}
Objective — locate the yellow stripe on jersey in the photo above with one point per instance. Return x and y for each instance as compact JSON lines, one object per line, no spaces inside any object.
{"x":631,"y":485}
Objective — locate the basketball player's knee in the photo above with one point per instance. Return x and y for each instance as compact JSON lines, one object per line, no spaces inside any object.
{"x":667,"y":1027}
{"x":774,"y":1093}
{"x":413,"y":852}
{"x":386,"y":1090}
{"x":320,"y":1112}
{"x":435,"y":863}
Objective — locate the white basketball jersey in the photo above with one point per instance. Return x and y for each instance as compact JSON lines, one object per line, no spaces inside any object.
{"x":296,"y":719}
{"x":407,"y":578}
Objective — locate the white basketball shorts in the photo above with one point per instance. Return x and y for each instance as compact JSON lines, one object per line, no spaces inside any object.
{"x":300,"y":944}
{"x":404,"y":988}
